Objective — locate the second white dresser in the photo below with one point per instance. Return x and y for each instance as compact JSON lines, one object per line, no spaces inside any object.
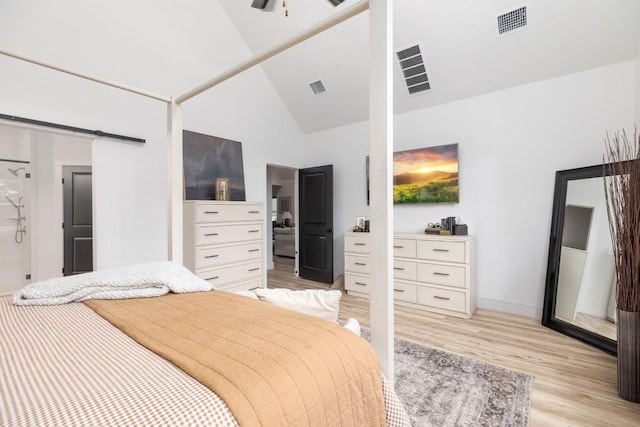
{"x":223,"y":243}
{"x":434,"y":273}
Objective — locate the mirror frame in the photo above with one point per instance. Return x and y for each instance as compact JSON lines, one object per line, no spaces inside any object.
{"x":553,"y":264}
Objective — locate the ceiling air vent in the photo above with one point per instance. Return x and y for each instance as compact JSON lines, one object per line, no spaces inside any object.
{"x":413,"y":70}
{"x":317,"y":87}
{"x":513,"y":20}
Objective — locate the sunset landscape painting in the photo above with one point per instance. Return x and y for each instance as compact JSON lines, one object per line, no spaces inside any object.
{"x":426,"y":175}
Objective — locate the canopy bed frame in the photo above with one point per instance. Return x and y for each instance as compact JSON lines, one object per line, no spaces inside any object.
{"x":380,"y":148}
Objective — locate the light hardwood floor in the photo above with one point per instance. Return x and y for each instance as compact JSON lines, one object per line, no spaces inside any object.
{"x":573,"y":383}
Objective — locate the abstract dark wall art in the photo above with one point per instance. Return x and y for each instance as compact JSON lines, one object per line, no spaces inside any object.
{"x":206,"y":158}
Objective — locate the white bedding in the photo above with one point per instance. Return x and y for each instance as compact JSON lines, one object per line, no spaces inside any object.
{"x":135,"y":281}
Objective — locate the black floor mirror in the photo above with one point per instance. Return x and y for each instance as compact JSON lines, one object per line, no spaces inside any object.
{"x":579,"y":297}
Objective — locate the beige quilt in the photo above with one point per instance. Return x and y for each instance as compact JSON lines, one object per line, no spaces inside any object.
{"x":270,"y":366}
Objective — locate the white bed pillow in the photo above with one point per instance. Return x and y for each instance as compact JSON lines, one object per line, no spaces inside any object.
{"x":314,"y":302}
{"x":353,"y":325}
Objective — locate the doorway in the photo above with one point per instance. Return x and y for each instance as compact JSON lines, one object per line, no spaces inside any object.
{"x":44,"y":152}
{"x":283,"y":233}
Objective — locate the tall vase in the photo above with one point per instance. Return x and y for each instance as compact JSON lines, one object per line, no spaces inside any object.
{"x":629,"y":355}
{"x":223,"y":189}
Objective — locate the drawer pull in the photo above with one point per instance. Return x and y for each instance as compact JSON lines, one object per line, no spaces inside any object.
{"x":436,"y":273}
{"x":398,"y":290}
{"x":360,"y":283}
{"x":360,"y":263}
{"x":211,"y":234}
{"x":253,"y":289}
{"x":254,"y":212}
{"x":254,"y":269}
{"x":440,"y":250}
{"x":398,"y":268}
{"x":442,"y":298}
{"x":253,"y":250}
{"x":398,"y":247}
{"x":211,"y":212}
{"x":254,"y":231}
{"x":212,"y":278}
{"x":360,"y":244}
{"x":211,"y":256}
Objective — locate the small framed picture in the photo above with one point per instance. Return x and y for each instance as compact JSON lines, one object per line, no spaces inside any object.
{"x":360,"y":220}
{"x":284,"y":204}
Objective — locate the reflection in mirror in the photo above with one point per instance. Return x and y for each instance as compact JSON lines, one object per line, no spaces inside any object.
{"x":580,"y":290}
{"x":586,"y":275}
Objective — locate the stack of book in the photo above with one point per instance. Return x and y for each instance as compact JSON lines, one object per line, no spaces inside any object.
{"x":447,"y":224}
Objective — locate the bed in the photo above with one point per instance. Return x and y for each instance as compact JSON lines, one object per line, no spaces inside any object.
{"x":112,"y":362}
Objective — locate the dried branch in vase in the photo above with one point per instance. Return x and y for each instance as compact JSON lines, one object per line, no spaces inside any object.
{"x":622,"y":193}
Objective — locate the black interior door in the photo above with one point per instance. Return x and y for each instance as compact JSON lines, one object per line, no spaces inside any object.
{"x":316,"y":223}
{"x":78,"y":220}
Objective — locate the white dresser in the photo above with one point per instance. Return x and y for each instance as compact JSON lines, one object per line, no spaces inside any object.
{"x":434,"y":273}
{"x":223,"y":243}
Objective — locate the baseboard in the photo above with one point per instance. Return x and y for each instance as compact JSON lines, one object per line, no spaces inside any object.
{"x":510,"y":307}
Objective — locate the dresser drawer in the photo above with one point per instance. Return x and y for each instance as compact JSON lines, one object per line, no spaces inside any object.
{"x":238,"y":272}
{"x":442,"y":274}
{"x":222,"y":212}
{"x":405,"y":292}
{"x":404,"y":269}
{"x":405,"y":248}
{"x":442,"y":250}
{"x":357,"y":283}
{"x":212,"y":256}
{"x":360,"y":243}
{"x":357,"y":264}
{"x":245,"y":285}
{"x":214,"y":234}
{"x":442,"y":298}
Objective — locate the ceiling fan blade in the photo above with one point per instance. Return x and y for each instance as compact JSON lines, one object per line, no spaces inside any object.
{"x":259,"y":4}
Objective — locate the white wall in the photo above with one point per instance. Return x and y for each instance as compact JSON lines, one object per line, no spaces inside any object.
{"x":510,"y":145}
{"x":14,"y":144}
{"x":637,"y":116}
{"x":168,"y":53}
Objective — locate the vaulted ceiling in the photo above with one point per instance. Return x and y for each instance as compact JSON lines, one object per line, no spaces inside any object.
{"x":463,"y":53}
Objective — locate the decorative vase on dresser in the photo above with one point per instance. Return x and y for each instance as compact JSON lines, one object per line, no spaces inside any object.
{"x":223,"y":243}
{"x":433,"y":273}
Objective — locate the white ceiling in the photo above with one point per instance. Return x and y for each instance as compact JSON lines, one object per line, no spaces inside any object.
{"x":463,"y":54}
